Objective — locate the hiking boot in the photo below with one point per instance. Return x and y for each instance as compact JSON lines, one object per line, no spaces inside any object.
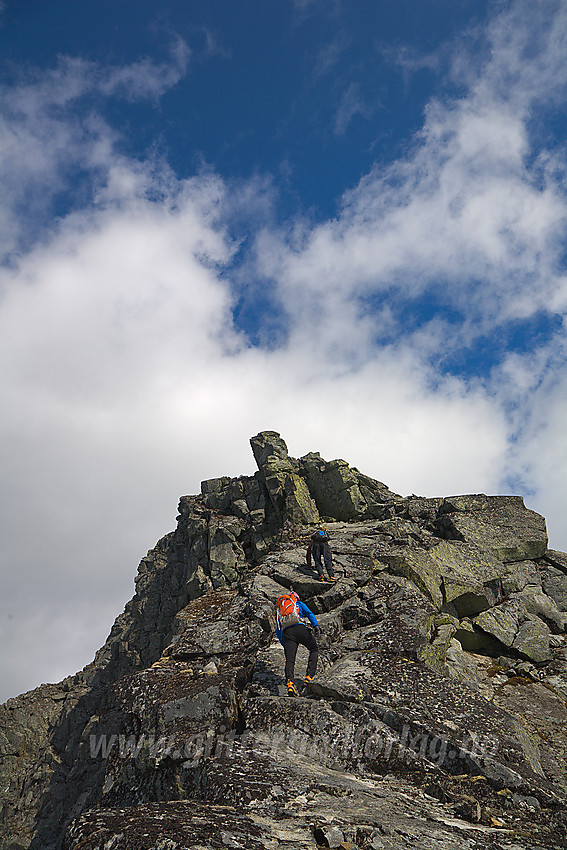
{"x":306,"y":690}
{"x":291,"y":690}
{"x":332,"y":578}
{"x":321,"y":577}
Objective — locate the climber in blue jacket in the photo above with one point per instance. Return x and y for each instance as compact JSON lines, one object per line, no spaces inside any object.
{"x":319,"y":548}
{"x":291,"y":631}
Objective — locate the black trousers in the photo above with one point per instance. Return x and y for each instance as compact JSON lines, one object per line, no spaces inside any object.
{"x":292,"y":637}
{"x":322,"y":549}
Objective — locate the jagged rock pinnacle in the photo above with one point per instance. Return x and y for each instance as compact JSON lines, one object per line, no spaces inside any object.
{"x":289,"y":493}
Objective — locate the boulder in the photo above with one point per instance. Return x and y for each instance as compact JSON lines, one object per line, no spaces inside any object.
{"x":461,"y":577}
{"x":470,"y":577}
{"x":460,"y":666}
{"x":518,"y":574}
{"x":502,"y":622}
{"x":543,"y":606}
{"x":442,"y":630}
{"x":533,"y":640}
{"x":554,"y":579}
{"x":444,"y":653}
{"x":334,"y":487}
{"x":342,"y":493}
{"x":557,"y":559}
{"x":476,"y":640}
{"x":515,"y":628}
{"x":501,"y":525}
{"x":417,"y":566}
{"x":419,"y":508}
{"x":217,"y":624}
{"x":376,"y":495}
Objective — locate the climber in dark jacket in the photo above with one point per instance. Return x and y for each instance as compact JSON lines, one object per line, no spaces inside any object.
{"x":298,"y":633}
{"x":319,"y":546}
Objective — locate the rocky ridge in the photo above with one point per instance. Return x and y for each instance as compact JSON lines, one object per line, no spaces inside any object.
{"x":437,"y":719}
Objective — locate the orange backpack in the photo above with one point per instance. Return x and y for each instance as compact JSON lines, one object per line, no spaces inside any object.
{"x":288,"y":612}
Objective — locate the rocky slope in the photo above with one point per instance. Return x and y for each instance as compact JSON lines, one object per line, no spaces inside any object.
{"x":437,"y":718}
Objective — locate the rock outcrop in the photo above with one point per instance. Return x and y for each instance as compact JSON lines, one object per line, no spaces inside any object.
{"x":437,"y":718}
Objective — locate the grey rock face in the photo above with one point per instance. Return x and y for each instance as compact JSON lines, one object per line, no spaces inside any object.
{"x":288,"y":492}
{"x":491,"y":522}
{"x":437,"y":718}
{"x":342,"y":493}
{"x":516,"y":629}
{"x":554,"y":578}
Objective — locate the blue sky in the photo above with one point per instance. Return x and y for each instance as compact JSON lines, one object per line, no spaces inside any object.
{"x":310,"y":94}
{"x":342,"y":221}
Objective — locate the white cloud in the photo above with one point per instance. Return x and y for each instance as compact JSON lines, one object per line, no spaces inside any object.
{"x":328,"y":56}
{"x":352,"y":103}
{"x":144,"y":78}
{"x":125,"y":382}
{"x":466,"y":208}
{"x":49,"y":130}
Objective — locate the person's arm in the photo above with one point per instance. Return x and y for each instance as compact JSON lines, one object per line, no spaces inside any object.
{"x":305,"y":612}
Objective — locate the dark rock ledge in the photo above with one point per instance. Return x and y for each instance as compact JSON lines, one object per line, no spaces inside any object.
{"x":438,"y":717}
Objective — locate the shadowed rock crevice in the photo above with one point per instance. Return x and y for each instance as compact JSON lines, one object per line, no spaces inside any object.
{"x":437,"y":717}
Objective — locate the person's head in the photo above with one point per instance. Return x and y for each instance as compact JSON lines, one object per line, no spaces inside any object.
{"x":293,"y":595}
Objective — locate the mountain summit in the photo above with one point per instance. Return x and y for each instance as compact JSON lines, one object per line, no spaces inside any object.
{"x":437,"y":717}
